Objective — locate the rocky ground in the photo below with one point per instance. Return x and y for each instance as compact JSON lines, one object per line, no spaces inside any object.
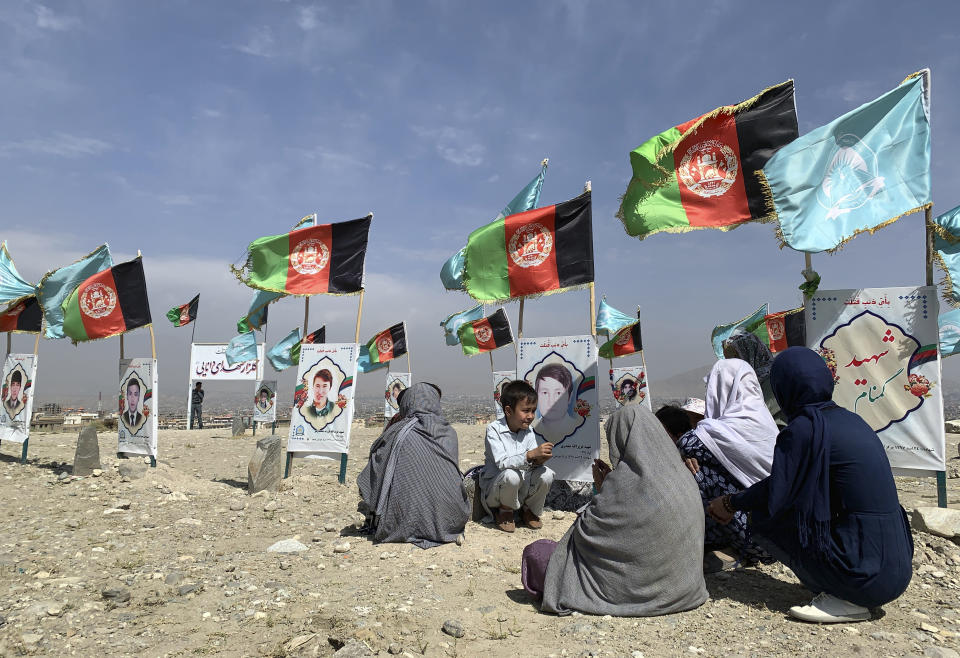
{"x":174,"y":561}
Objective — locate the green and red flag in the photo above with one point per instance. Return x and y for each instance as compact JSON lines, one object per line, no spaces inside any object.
{"x":318,"y":336}
{"x":108,"y":303}
{"x":535,"y":252}
{"x":185,"y":313}
{"x":485,"y":334}
{"x":386,"y":345}
{"x":327,"y":259}
{"x":23,"y":316}
{"x":786,"y":329}
{"x":624,"y":342}
{"x":702,"y":173}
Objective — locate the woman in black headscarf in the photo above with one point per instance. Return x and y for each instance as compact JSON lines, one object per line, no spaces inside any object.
{"x":829,"y":509}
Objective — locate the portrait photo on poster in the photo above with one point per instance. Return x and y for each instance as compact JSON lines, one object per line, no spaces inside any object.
{"x":323,"y":402}
{"x":264,"y":399}
{"x":394,"y":389}
{"x":556,"y":381}
{"x":133,"y":412}
{"x":15,"y":391}
{"x":628,"y":385}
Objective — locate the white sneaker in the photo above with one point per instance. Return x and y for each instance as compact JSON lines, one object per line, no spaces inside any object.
{"x":827,"y":609}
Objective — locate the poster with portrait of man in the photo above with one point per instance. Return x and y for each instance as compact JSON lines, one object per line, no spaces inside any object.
{"x":500,"y":378}
{"x":880,"y":345}
{"x":397,"y":382}
{"x":323,"y":400}
{"x":16,"y":397}
{"x":265,"y":401}
{"x":137,"y":420}
{"x":629,"y":386}
{"x":563,"y":372}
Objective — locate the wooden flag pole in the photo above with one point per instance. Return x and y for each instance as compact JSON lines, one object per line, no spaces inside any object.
{"x":121,"y":347}
{"x":593,"y":310}
{"x":928,"y":224}
{"x":490,"y":354}
{"x":9,"y":342}
{"x":306,"y":316}
{"x":153,"y":343}
{"x":520,"y":321}
{"x":356,"y":334}
{"x":409,"y":367}
{"x":36,"y":343}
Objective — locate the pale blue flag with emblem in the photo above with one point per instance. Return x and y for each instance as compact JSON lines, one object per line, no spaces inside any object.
{"x":56,"y":286}
{"x":365,"y":364}
{"x":949,"y":333}
{"x":610,"y":320}
{"x":746,"y":325}
{"x":453,"y":322}
{"x":946,"y":238}
{"x":856,"y":174}
{"x":12,"y":285}
{"x":281,"y":355}
{"x":242,"y":347}
{"x":451,"y":274}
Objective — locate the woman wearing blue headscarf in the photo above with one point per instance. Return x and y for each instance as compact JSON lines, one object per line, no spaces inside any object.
{"x":829,"y":509}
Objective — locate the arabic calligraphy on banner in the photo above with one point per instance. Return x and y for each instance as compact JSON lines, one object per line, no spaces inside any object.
{"x":881,"y":347}
{"x":209,"y":362}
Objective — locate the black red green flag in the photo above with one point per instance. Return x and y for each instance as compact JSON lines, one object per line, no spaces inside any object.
{"x":385,"y":346}
{"x":626,"y":341}
{"x":786,"y":329}
{"x":534,"y":252}
{"x":108,"y":303}
{"x":485,"y":334}
{"x":24,"y":316}
{"x":184,"y":314}
{"x":318,"y":336}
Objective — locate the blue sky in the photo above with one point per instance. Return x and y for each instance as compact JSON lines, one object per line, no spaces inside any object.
{"x":187,"y":129}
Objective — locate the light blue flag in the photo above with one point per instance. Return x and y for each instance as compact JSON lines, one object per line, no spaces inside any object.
{"x":746,"y":325}
{"x":610,"y":320}
{"x":452,"y":323}
{"x":364,"y":364}
{"x":256,"y":317}
{"x":281,"y":355}
{"x":12,"y":285}
{"x":242,"y":347}
{"x":57,"y":285}
{"x":855,"y":174}
{"x":946,"y":239}
{"x":949,"y":333}
{"x":451,"y":274}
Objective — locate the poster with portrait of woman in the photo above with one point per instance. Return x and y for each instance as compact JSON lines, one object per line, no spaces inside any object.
{"x":323,"y":399}
{"x":563,"y":372}
{"x":500,"y":379}
{"x":629,"y":386}
{"x":397,"y":382}
{"x":264,"y":401}
{"x":16,"y":397}
{"x":137,"y":419}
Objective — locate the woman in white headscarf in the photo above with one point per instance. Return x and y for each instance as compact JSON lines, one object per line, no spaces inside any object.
{"x":732,"y":448}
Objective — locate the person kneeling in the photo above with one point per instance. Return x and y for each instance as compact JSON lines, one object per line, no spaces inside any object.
{"x":514,"y":476}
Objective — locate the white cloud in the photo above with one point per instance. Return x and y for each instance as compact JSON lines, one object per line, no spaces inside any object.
{"x":307,"y":18}
{"x":210,"y":113}
{"x":455,"y":145}
{"x":260,"y":43}
{"x":48,"y":20}
{"x":63,"y":145}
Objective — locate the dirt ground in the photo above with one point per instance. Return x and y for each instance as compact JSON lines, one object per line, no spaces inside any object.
{"x":176,"y":564}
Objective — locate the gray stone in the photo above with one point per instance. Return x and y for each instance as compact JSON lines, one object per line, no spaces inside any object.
{"x":63,"y":476}
{"x":238,"y":428}
{"x":263,"y":472}
{"x":183,"y":590}
{"x":287,"y":546}
{"x":940,"y":652}
{"x":937,"y":521}
{"x":453,"y":628}
{"x":116,"y":594}
{"x":133,"y":469}
{"x":952,"y":427}
{"x":353,"y":649}
{"x":86,"y":459}
{"x":237,"y":506}
{"x":173,"y":578}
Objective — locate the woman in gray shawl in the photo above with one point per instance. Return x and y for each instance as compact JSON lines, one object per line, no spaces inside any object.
{"x":637,"y":548}
{"x":411,"y":487}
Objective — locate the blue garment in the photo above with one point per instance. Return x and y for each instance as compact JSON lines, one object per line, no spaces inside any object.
{"x":829,"y":509}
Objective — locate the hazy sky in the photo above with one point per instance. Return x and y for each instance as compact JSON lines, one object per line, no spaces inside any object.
{"x":188,"y":129}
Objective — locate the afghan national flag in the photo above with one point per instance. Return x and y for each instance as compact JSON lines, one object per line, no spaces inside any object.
{"x":531,"y":253}
{"x":485,"y":334}
{"x":923,"y":354}
{"x":385,"y":346}
{"x":108,"y":303}
{"x":184,"y":314}
{"x":24,"y":316}
{"x":702,"y":173}
{"x":316,"y":260}
{"x":786,"y":329}
{"x":318,"y":336}
{"x":624,"y":342}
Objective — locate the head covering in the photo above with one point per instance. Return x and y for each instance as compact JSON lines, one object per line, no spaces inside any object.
{"x":412,"y":483}
{"x":801,"y":479}
{"x":737,"y":428}
{"x":695,"y":406}
{"x":752,"y":350}
{"x":637,"y":548}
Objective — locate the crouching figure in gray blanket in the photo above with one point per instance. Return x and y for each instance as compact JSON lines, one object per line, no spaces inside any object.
{"x":636,"y":550}
{"x":411,"y":488}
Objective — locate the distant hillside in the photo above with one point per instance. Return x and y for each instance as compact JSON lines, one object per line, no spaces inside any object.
{"x":688,"y":384}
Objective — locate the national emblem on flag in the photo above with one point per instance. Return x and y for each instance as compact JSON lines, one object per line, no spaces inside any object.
{"x":485,"y":334}
{"x":185,"y":313}
{"x":786,"y":329}
{"x":108,"y":303}
{"x":700,"y":174}
{"x":626,"y":341}
{"x":326,"y":259}
{"x":56,"y":286}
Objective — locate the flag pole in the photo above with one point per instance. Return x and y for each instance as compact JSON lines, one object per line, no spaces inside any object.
{"x":9,"y":342}
{"x":306,"y":315}
{"x":520,"y":321}
{"x":356,"y":334}
{"x":153,"y":343}
{"x":36,"y":343}
{"x":593,"y":310}
{"x":121,"y":347}
{"x":490,"y":354}
{"x":409,"y":367}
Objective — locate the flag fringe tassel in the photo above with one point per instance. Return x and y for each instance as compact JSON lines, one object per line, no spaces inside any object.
{"x":946,"y":282}
{"x":547,"y":293}
{"x":238,"y":272}
{"x":119,"y":333}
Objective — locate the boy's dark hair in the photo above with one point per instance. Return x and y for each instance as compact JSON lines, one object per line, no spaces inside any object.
{"x":515,"y":392}
{"x":674,"y":420}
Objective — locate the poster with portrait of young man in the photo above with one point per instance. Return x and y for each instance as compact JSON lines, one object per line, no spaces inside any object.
{"x":264,"y":401}
{"x":397,"y":383}
{"x":629,"y":386}
{"x":323,"y":400}
{"x":137,"y":419}
{"x":16,"y":397}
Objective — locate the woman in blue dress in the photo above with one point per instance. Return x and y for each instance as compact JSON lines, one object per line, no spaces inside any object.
{"x":829,"y":509}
